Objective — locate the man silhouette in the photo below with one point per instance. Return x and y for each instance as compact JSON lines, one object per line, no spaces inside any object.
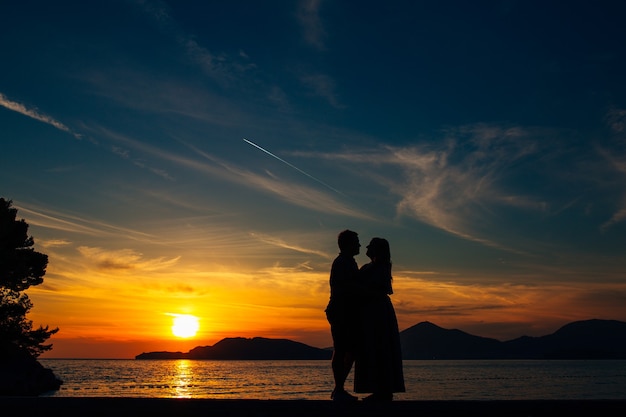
{"x":341,"y":312}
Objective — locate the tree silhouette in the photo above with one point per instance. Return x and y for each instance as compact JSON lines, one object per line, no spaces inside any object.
{"x":20,"y":267}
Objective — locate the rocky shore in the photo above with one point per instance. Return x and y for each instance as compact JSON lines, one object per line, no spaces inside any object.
{"x":23,"y":375}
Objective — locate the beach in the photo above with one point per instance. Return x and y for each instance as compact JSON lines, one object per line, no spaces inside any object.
{"x":121,"y":407}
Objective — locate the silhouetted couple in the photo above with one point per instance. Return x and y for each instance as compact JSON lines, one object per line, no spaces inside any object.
{"x":363,"y":322}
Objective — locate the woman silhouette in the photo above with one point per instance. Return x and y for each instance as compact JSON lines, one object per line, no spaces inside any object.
{"x":378,"y":366}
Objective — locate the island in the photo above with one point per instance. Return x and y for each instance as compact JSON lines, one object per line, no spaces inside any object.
{"x":240,"y":348}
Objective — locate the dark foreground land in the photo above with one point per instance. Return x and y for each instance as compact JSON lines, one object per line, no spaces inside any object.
{"x":121,"y":407}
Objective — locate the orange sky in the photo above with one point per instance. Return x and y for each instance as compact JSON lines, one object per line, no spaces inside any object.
{"x":118,"y":304}
{"x":114,"y":290}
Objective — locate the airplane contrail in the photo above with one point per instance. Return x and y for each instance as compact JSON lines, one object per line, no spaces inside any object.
{"x":292,"y":166}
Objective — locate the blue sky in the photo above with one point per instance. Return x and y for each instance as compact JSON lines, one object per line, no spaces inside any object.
{"x":485,"y":140}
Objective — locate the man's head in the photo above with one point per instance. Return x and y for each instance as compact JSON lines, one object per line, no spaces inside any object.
{"x":348,"y":242}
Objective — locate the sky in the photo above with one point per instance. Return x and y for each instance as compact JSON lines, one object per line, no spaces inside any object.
{"x":200,"y":157}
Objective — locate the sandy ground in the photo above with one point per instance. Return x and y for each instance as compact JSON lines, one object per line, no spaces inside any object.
{"x":120,"y":407}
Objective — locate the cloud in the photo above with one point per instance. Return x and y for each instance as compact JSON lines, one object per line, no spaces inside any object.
{"x":279,"y":98}
{"x":297,"y":194}
{"x":125,"y":154}
{"x":44,"y":217}
{"x":35,"y":114}
{"x":455,"y":184}
{"x":617,"y":217}
{"x":322,"y":86}
{"x":53,"y":243}
{"x":164,"y":96}
{"x":616,"y":119}
{"x":291,"y":246}
{"x":158,"y":10}
{"x":124,"y":259}
{"x":294,"y":193}
{"x":222,"y":68}
{"x":616,"y":156}
{"x":157,"y":171}
{"x":311,"y":23}
{"x":530,"y":307}
{"x":442,"y":194}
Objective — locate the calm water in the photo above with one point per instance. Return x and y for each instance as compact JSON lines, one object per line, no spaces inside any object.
{"x":425,"y":380}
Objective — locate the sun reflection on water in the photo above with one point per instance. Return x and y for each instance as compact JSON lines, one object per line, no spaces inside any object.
{"x":182,"y":379}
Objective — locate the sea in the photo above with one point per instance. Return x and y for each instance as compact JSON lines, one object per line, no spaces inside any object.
{"x":312,"y":380}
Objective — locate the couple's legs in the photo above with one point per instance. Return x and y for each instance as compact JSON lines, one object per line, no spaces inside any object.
{"x":342,"y":362}
{"x":343,"y":358}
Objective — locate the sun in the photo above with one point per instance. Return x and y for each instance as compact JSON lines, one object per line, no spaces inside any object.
{"x":185,"y":325}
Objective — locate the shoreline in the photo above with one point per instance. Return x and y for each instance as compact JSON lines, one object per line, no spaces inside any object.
{"x":154,"y":407}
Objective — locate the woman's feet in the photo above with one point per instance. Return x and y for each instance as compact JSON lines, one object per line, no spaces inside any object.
{"x":342,"y":396}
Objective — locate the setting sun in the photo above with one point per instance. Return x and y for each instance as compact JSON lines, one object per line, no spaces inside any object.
{"x":185,"y":325}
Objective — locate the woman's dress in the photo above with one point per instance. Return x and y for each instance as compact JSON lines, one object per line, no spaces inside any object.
{"x":378,"y":365}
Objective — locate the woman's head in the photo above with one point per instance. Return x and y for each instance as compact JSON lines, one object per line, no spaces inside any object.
{"x":378,"y":250}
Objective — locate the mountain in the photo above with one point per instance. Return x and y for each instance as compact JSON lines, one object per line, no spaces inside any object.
{"x":589,"y":339}
{"x":239,"y":348}
{"x":429,"y":341}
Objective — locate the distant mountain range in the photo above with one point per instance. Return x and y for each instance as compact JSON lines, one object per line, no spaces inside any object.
{"x":589,"y":339}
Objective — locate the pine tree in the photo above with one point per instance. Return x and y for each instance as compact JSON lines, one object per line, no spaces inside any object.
{"x":20,"y":267}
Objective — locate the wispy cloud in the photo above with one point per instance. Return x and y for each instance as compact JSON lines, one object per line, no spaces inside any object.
{"x":157,"y":171}
{"x":618,"y":163}
{"x":35,"y":114}
{"x":44,"y":217}
{"x":293,"y":166}
{"x":135,"y":89}
{"x":231,"y":70}
{"x":124,"y":259}
{"x":451,"y":196}
{"x":157,"y":9}
{"x":323,"y":86}
{"x":297,"y":194}
{"x":53,"y":243}
{"x":125,"y":153}
{"x":311,"y":23}
{"x":617,"y":217}
{"x":286,"y":245}
{"x":616,"y":121}
{"x":222,"y":68}
{"x":294,"y":193}
{"x":279,"y":98}
{"x":451,"y":186}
